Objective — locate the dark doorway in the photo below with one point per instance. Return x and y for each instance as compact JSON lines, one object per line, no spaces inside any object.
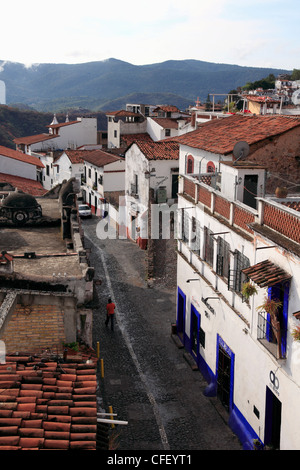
{"x":175,"y":186}
{"x":250,"y":190}
{"x":272,"y":420}
{"x":223,"y":379}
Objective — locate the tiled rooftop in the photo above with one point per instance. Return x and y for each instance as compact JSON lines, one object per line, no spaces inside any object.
{"x":166,"y":123}
{"x":266,"y":274}
{"x":163,"y":150}
{"x":23,"y":157}
{"x":128,"y":139}
{"x":48,"y":404}
{"x":62,"y":124}
{"x":34,"y":139}
{"x":32,"y":187}
{"x":221,"y":135}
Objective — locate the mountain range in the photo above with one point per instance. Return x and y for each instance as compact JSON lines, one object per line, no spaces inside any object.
{"x":108,"y":85}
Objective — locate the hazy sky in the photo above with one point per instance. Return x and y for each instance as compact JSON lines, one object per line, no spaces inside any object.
{"x":262,"y":33}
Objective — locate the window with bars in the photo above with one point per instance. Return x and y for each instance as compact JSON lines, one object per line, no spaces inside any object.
{"x":236,"y":277}
{"x":195,"y":236}
{"x":223,"y":258}
{"x":208,"y":246}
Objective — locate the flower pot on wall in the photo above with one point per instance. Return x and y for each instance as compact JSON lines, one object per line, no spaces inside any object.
{"x":281,"y":192}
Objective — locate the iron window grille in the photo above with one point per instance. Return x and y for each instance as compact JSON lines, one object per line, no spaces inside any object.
{"x":208,"y":246}
{"x":195,"y":236}
{"x":236,"y":277}
{"x":223,"y":258}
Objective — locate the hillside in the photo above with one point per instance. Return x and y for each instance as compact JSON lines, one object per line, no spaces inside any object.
{"x":16,"y":122}
{"x":100,"y":85}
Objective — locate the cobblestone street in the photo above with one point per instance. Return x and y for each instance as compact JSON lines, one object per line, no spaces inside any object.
{"x":147,"y":379}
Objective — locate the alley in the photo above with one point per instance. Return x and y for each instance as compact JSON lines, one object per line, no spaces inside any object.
{"x":147,"y":380}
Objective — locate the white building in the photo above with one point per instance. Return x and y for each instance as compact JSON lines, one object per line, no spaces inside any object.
{"x":225,"y":240}
{"x":61,"y":136}
{"x":121,"y":123}
{"x":68,"y":165}
{"x":151,"y":178}
{"x":103,"y":180}
{"x":13,"y":162}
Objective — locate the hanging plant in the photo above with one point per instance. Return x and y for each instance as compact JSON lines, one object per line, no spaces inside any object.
{"x":248,"y":289}
{"x":270,"y":306}
{"x":296,"y":333}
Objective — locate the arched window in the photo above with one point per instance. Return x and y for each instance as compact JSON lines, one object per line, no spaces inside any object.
{"x":210,"y":168}
{"x":190,"y":164}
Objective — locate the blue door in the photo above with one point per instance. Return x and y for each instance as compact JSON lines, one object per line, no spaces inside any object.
{"x":181,"y":302}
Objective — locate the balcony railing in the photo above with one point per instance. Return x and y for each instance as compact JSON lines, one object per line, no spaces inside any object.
{"x":271,"y":335}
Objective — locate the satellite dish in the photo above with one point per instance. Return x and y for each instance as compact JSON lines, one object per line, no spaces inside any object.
{"x":296,"y":97}
{"x":241,"y":150}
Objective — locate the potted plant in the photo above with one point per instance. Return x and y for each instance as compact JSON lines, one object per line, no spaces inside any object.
{"x":271,"y":306}
{"x":281,"y":192}
{"x":248,"y":289}
{"x":296,"y":333}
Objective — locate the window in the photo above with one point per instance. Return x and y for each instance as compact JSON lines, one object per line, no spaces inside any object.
{"x":236,"y":276}
{"x":47,"y":170}
{"x":210,"y":168}
{"x":223,"y":258}
{"x":115,"y":134}
{"x":272,"y":329}
{"x":195,"y":236}
{"x":208,"y":246}
{"x":90,"y":173}
{"x":167,"y":132}
{"x":185,"y":222}
{"x":190,"y":164}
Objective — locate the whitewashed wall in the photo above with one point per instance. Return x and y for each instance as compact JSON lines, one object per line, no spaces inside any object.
{"x":14,"y":167}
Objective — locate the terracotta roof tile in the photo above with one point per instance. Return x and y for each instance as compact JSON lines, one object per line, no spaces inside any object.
{"x":20,"y":156}
{"x":96,"y":157}
{"x":166,"y":123}
{"x":266,"y":274}
{"x":162,"y":150}
{"x":221,"y":135}
{"x":33,"y":418}
{"x":34,"y":139}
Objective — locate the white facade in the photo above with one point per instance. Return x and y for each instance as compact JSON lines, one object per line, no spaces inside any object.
{"x":64,"y":169}
{"x":68,"y":135}
{"x":19,"y":167}
{"x":118,"y":126}
{"x":253,"y":375}
{"x":143,"y":174}
{"x":102,"y":179}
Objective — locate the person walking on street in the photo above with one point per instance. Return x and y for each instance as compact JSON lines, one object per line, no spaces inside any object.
{"x":110,"y":312}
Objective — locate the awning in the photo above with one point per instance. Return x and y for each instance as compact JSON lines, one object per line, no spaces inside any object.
{"x":266,"y":274}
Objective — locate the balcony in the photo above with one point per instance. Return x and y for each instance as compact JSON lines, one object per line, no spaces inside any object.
{"x":271,"y":335}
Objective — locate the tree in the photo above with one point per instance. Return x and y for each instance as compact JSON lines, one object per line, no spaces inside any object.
{"x":295,"y":74}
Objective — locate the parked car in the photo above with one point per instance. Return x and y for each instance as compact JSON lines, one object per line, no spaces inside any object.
{"x":84,"y":210}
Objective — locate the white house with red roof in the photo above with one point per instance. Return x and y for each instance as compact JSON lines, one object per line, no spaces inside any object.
{"x":16,"y":163}
{"x":123,"y":122}
{"x":65,"y":135}
{"x":238,"y":251}
{"x":103,"y":180}
{"x":69,"y":164}
{"x":152,"y":170}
